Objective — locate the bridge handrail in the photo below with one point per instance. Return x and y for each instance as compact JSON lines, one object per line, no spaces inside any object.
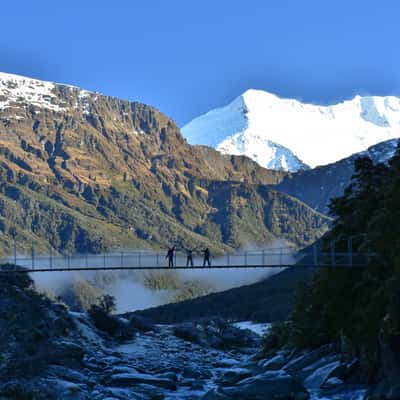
{"x":126,"y":259}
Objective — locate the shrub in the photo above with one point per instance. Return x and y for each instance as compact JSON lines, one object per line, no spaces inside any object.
{"x":81,"y":295}
{"x":276,"y":338}
{"x":13,"y":275}
{"x":110,"y":324}
{"x":108,"y":303}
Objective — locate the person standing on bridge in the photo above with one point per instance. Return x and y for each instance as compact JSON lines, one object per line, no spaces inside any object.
{"x":189,"y":257}
{"x":206,"y":258}
{"x":170,"y":256}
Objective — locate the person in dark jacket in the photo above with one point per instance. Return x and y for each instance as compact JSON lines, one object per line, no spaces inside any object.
{"x":206,"y":259}
{"x":189,"y":257}
{"x":170,"y":256}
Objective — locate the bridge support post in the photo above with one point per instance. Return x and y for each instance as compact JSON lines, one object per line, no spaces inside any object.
{"x":263,"y":257}
{"x":157,"y":259}
{"x":228,"y":259}
{"x":140,"y":259}
{"x":350,"y":250}
{"x":51,"y":257}
{"x":315,"y":254}
{"x":122,"y":258}
{"x":33,"y":256}
{"x":280,"y":256}
{"x":15,"y":252}
{"x":332,"y":246}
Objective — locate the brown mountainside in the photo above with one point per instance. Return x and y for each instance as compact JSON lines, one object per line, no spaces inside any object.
{"x":85,"y":172}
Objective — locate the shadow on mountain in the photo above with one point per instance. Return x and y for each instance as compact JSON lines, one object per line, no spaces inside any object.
{"x":266,"y":301}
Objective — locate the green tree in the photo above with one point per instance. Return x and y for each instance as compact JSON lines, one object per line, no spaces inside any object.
{"x":354,"y":302}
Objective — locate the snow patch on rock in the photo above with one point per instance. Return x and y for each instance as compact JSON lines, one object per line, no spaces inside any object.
{"x":16,"y":89}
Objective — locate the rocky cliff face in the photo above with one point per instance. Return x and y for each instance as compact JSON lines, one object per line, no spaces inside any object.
{"x":318,"y":186}
{"x":85,"y":172}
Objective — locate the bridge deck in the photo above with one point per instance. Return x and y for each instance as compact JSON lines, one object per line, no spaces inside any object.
{"x":282,"y":258}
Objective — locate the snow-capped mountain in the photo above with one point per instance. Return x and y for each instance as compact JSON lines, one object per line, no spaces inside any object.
{"x":20,"y":93}
{"x":290,"y":135}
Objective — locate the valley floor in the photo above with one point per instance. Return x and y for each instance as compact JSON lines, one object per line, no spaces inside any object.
{"x":50,"y":353}
{"x":187,"y":362}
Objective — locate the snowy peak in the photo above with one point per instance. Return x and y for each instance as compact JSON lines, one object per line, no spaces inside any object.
{"x":381,"y":152}
{"x":265,"y":152}
{"x":230,"y":130}
{"x":16,"y":90}
{"x":288,"y":134}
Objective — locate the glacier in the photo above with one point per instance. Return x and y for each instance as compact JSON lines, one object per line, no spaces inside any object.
{"x":286,"y":134}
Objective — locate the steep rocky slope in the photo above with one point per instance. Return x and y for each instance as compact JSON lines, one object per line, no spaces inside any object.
{"x":84,"y":172}
{"x":318,"y":186}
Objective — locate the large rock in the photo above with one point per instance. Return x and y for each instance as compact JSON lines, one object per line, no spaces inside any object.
{"x":320,"y":375}
{"x":188,"y":332}
{"x":214,"y":394}
{"x":235,"y":375}
{"x":140,"y":323}
{"x":274,"y":363}
{"x":304,"y":360}
{"x":64,"y":352}
{"x":67,"y":374}
{"x":269,"y":385}
{"x":216,"y":333}
{"x":125,"y":379}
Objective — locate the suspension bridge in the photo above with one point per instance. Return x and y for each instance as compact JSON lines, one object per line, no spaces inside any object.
{"x":284,"y":257}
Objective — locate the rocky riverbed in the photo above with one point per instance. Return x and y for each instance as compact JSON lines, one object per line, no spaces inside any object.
{"x":48,"y":352}
{"x":181,"y":362}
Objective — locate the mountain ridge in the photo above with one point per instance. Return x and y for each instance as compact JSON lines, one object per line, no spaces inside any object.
{"x":84,"y":172}
{"x":256,"y":121}
{"x":318,"y":186}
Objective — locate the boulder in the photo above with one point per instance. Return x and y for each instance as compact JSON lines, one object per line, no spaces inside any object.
{"x":125,"y":379}
{"x":187,"y":332}
{"x":232,"y":338}
{"x":235,"y":375}
{"x":196,"y":372}
{"x":306,"y":359}
{"x":64,"y":352}
{"x":226,"y":363}
{"x":331,"y":382}
{"x":168,"y":375}
{"x":120,"y":369}
{"x":197,"y":385}
{"x":112,"y":325}
{"x":343,"y":371}
{"x":320,"y":375}
{"x":216,"y":333}
{"x":215,"y":394}
{"x":67,"y":374}
{"x":269,"y":385}
{"x":141,"y":324}
{"x":275,"y":363}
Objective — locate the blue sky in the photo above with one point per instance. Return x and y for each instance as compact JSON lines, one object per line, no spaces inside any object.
{"x":188,"y":56}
